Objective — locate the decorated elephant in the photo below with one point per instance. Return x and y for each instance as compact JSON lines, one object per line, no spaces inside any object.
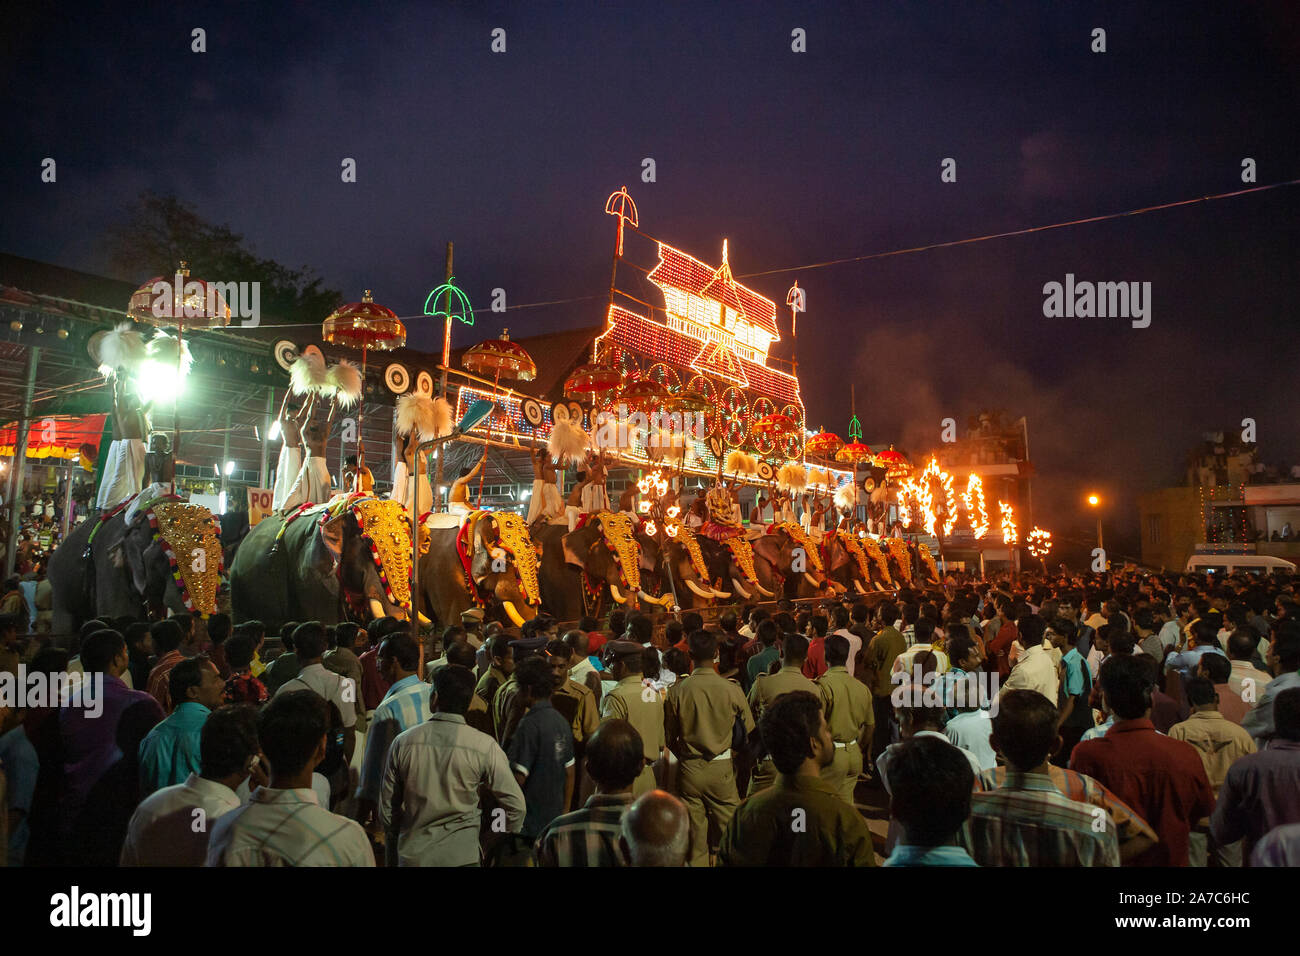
{"x":349,"y":559}
{"x":596,"y":565}
{"x":788,"y":562}
{"x":168,"y":559}
{"x":493,"y":550}
{"x":695,"y":578}
{"x":851,"y":567}
{"x":732,"y":565}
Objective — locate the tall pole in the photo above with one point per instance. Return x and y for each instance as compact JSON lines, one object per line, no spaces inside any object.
{"x":446,"y":361}
{"x":225,"y":457}
{"x":1100,"y":543}
{"x":263,"y":474}
{"x":19,"y":466}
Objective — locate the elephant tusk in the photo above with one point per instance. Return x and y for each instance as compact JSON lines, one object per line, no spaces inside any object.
{"x":376,"y":608}
{"x":698,"y":591}
{"x":650,"y":598}
{"x":812,"y":580}
{"x":740,"y":589}
{"x":858,"y":586}
{"x":720,"y":594}
{"x":763,"y":591}
{"x":511,"y":613}
{"x":424,"y":621}
{"x":613,"y":589}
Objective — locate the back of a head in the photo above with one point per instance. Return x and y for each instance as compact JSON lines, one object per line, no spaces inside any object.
{"x":923,"y":630}
{"x":1286,"y":644}
{"x":656,"y":830}
{"x":1200,"y":692}
{"x":794,"y":649}
{"x":617,"y":621}
{"x":888,"y":613}
{"x":99,"y":650}
{"x":239,"y":650}
{"x":90,"y":627}
{"x":1217,"y":667}
{"x":310,"y":640}
{"x":787,"y":729}
{"x":1031,"y":628}
{"x":578,"y":642}
{"x":228,"y":740}
{"x":166,"y":636}
{"x":1122,"y":640}
{"x":291,"y":727}
{"x":692,"y":621}
{"x":820,"y":625}
{"x":454,"y":687}
{"x":837,"y":650}
{"x":1126,"y":681}
{"x":1025,"y":728}
{"x":286,"y":635}
{"x":859,"y":613}
{"x":640,"y":629}
{"x":1286,"y":714}
{"x":768,"y":633}
{"x":703,"y":646}
{"x":931,"y":783}
{"x":535,"y":678}
{"x":218,"y":627}
{"x":1205,"y":632}
{"x":402,"y":648}
{"x":1241,"y":645}
{"x":615,"y":755}
{"x":728,"y":621}
{"x":345,"y":634}
{"x":674,"y":631}
{"x":462,"y":654}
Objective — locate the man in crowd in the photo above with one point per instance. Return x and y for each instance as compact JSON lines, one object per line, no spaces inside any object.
{"x":170,"y":753}
{"x":1163,"y":780}
{"x":1034,"y":669}
{"x":541,"y":749}
{"x":282,"y":824}
{"x":163,"y":830}
{"x":406,"y":705}
{"x":879,"y":659}
{"x":1262,"y":790}
{"x":284,"y":667}
{"x":501,"y":664}
{"x":655,"y":831}
{"x":1245,"y":682}
{"x":700,"y":722}
{"x":847,"y":703}
{"x":930,"y":804}
{"x":768,"y":687}
{"x":429,"y":800}
{"x":639,"y":705}
{"x":589,"y":836}
{"x":1027,"y":821}
{"x":310,"y":641}
{"x":167,"y":638}
{"x":1284,"y":658}
{"x":767,"y":654}
{"x":830,"y":831}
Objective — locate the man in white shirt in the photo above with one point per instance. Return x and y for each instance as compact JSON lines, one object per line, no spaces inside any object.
{"x":429,"y":800}
{"x":1034,"y":668}
{"x":923,"y":632}
{"x":283,"y":824}
{"x":842,"y":630}
{"x":309,"y":641}
{"x":170,"y":826}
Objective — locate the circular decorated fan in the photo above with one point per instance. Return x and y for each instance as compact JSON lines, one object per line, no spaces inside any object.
{"x":733,"y":412}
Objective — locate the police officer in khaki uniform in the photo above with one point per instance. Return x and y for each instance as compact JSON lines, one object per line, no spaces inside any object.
{"x":577,"y":704}
{"x":847,"y":703}
{"x":637,"y":703}
{"x":768,"y":687}
{"x":507,"y":708}
{"x":700,"y":718}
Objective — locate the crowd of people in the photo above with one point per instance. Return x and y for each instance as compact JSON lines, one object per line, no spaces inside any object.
{"x":1078,"y":720}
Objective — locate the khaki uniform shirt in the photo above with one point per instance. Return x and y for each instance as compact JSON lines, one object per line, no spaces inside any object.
{"x":1218,"y":740}
{"x":768,"y":687}
{"x":501,"y":703}
{"x":585,"y":718}
{"x":760,"y":831}
{"x":646,"y":715}
{"x":847,"y":703}
{"x":701,"y":713}
{"x":879,"y":659}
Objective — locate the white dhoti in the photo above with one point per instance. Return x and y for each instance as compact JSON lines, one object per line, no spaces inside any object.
{"x":594,"y":498}
{"x":402,"y":490}
{"x":123,"y":472}
{"x":286,"y":476}
{"x":151,"y":494}
{"x":545,"y":501}
{"x":312,"y":484}
{"x":572,"y":513}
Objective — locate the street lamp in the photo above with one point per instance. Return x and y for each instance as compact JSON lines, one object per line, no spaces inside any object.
{"x":1095,"y":502}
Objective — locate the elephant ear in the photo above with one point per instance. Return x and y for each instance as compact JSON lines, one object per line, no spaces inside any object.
{"x":647,"y":552}
{"x":136,"y":539}
{"x":577,"y":544}
{"x":332,"y":534}
{"x":837,"y":554}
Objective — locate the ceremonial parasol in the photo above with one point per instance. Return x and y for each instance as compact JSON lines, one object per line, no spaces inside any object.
{"x":775,"y":425}
{"x":364,"y":325}
{"x":823,"y":445}
{"x":854,"y":453}
{"x":644,"y":395}
{"x":500,"y":357}
{"x":176,"y":300}
{"x":594,"y":378}
{"x":894,"y":462}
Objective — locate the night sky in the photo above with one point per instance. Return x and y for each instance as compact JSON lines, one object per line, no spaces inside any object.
{"x":796,"y":158}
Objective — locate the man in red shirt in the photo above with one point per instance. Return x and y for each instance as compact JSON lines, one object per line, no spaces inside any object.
{"x":172,"y":646}
{"x":1162,"y":779}
{"x":814,"y":665}
{"x":999,"y":648}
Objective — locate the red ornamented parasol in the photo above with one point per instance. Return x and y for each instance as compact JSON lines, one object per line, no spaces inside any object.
{"x":854,"y":453}
{"x":363,"y":325}
{"x":774,"y":426}
{"x":823,"y":445}
{"x":587,"y":381}
{"x":894,"y":462}
{"x":644,"y":395}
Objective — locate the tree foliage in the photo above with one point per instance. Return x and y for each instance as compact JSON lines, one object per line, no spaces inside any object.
{"x":160,"y":231}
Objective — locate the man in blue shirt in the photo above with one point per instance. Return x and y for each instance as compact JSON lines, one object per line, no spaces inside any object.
{"x":406,"y":705}
{"x":1203,"y":639}
{"x":541,"y":750}
{"x":170,"y":752}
